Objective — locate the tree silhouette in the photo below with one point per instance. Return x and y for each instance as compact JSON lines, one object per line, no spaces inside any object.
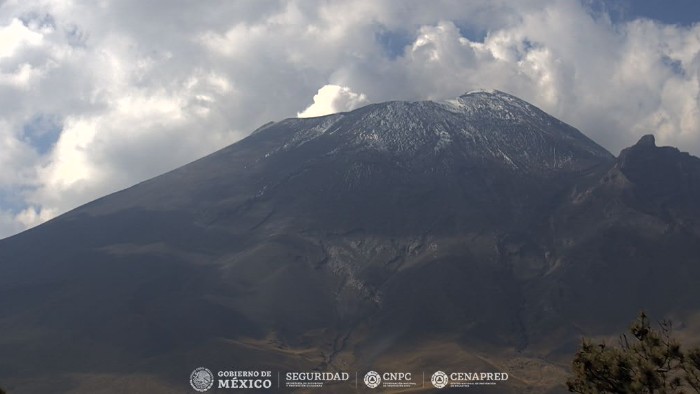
{"x":647,"y":361}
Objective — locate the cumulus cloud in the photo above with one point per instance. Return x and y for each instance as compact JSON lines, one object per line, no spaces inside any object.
{"x":333,"y":98}
{"x":16,"y":35}
{"x":96,"y":96}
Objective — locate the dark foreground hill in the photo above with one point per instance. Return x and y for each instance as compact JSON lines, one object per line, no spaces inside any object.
{"x":477,"y":233}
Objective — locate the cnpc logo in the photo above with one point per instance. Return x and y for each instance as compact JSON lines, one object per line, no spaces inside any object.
{"x":374,"y":379}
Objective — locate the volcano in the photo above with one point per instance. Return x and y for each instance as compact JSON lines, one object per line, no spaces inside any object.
{"x":474,"y":233}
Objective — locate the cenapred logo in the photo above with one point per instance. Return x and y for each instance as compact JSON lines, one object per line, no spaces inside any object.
{"x":372,"y":379}
{"x":439,"y":379}
{"x":201,"y":379}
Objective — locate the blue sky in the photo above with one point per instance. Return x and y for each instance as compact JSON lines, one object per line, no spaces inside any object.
{"x":684,"y":12}
{"x":97,"y":96}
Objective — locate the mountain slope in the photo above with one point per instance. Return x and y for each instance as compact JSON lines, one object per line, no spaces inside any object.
{"x":633,"y":235}
{"x":468,"y":232}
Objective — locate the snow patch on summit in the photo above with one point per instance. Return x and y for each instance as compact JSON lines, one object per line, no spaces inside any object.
{"x":306,"y":135}
{"x":453,"y":104}
{"x":487,"y":91}
{"x":484,"y":126}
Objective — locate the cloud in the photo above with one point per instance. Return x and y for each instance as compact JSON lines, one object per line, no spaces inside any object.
{"x":615,"y":81}
{"x":331,"y":99}
{"x":96,"y":96}
{"x":15,"y":36}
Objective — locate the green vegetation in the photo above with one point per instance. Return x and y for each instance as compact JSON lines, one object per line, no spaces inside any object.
{"x":647,"y":361}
